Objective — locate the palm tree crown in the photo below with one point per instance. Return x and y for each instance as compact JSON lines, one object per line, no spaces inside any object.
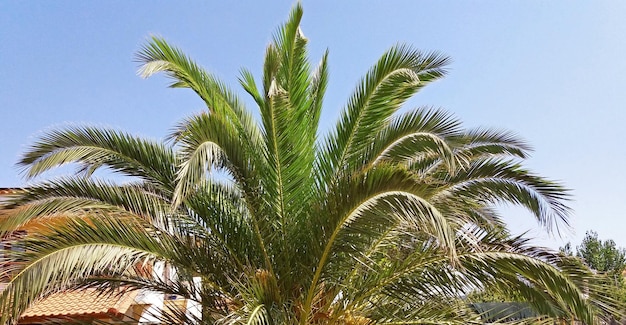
{"x":388,"y":219}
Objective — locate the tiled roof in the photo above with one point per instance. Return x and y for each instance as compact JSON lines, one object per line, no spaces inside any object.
{"x":5,"y":190}
{"x":83,"y":303}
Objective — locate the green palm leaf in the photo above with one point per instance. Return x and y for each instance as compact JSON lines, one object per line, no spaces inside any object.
{"x":93,"y":148}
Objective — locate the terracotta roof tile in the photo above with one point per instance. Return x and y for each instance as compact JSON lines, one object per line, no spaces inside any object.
{"x":80,"y":303}
{"x":5,"y":190}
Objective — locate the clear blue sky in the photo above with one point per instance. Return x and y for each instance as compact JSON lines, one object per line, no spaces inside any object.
{"x":552,"y":71}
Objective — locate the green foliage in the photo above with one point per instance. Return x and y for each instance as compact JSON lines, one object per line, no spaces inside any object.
{"x":603,"y":256}
{"x":608,"y":261}
{"x":387,"y":219}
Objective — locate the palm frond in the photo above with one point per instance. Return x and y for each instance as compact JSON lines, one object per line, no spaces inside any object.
{"x":158,"y":56}
{"x":421,"y":132}
{"x":495,"y":180}
{"x":79,"y":249}
{"x":397,"y":76}
{"x":482,"y":141}
{"x":74,"y":197}
{"x":208,"y":142}
{"x":93,"y":148}
{"x":221,"y":210}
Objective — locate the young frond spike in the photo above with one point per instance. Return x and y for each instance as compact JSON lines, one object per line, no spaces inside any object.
{"x":274,"y":89}
{"x":300,"y":34}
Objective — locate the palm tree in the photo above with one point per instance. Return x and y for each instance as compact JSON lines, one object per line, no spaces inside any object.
{"x":388,"y":219}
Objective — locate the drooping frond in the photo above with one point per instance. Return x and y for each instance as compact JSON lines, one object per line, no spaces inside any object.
{"x":209,"y":142}
{"x":64,"y":255}
{"x":76,"y":197}
{"x":159,"y":56}
{"x":481,"y":142}
{"x":359,"y":208}
{"x":496,"y":181}
{"x":397,"y":76}
{"x":93,"y":148}
{"x":421,"y":132}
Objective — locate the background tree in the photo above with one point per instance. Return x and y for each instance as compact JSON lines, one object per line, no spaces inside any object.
{"x":603,"y":256}
{"x":608,"y":261}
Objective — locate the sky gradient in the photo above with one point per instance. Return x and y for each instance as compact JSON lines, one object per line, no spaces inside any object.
{"x":551,"y":71}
